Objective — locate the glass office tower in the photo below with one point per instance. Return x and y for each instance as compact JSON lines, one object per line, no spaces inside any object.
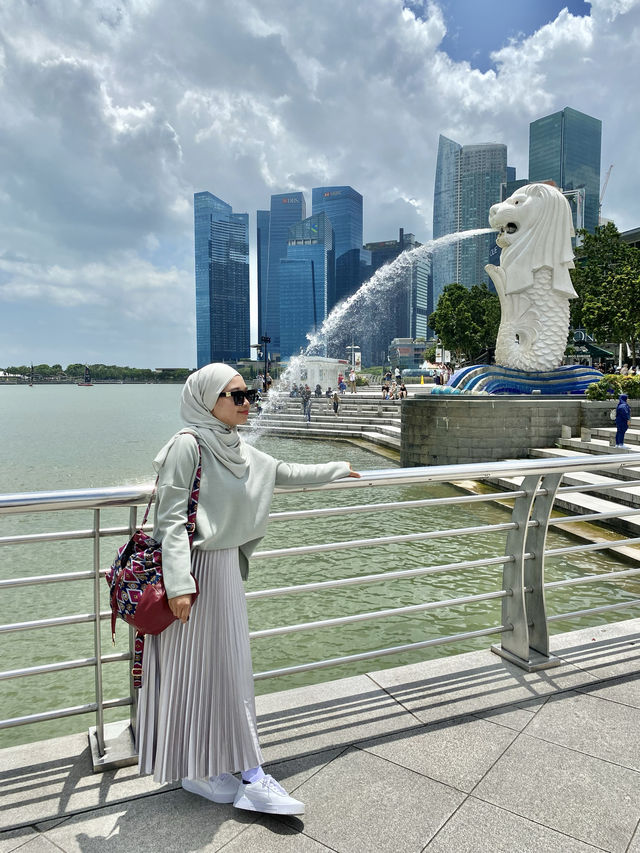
{"x":565,"y":147}
{"x":468,"y":181}
{"x":343,"y":206}
{"x":286,"y":209}
{"x":262,"y":257}
{"x":222,"y":280}
{"x":306,"y":278}
{"x":406,"y":307}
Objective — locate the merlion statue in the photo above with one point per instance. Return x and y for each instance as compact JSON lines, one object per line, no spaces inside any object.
{"x":533,"y":282}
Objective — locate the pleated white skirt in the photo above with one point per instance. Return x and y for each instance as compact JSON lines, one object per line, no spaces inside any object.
{"x":196,"y":707}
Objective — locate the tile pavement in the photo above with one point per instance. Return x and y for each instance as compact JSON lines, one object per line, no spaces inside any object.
{"x":460,"y":755}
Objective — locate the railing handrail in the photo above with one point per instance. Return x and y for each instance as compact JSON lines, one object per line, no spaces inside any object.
{"x":118,"y":496}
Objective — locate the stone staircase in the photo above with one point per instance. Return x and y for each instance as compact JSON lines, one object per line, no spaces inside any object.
{"x":364,"y":417}
{"x":610,"y":492}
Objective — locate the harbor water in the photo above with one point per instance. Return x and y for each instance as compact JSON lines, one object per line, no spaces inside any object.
{"x":81,"y":437}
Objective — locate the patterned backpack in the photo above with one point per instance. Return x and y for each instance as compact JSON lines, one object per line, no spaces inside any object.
{"x":136,"y":587}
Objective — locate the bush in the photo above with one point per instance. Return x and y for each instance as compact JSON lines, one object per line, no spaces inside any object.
{"x":611,"y":386}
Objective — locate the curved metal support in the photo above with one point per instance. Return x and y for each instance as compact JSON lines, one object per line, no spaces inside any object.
{"x":534,"y":569}
{"x":527,"y":645}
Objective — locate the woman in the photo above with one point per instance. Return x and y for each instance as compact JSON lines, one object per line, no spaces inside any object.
{"x":196,"y":709}
{"x":623,"y":415}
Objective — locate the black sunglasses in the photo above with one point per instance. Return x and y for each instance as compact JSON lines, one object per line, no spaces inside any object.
{"x":240,"y":395}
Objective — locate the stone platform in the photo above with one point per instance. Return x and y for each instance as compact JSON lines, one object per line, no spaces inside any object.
{"x":464,"y":754}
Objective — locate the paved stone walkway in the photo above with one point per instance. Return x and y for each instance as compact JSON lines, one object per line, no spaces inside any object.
{"x":465,"y":754}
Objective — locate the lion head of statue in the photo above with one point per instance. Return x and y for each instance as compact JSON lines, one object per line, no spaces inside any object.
{"x":535,"y":228}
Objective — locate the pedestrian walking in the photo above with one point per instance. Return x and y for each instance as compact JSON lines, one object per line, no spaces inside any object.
{"x":196,"y":709}
{"x":336,"y":402}
{"x":352,"y":381}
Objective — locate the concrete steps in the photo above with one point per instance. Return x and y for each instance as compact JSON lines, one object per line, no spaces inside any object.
{"x":374,"y":421}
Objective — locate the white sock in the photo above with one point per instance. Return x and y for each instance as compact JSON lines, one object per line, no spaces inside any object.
{"x":254,"y":774}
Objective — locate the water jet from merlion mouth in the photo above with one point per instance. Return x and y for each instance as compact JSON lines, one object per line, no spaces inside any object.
{"x":358,"y":313}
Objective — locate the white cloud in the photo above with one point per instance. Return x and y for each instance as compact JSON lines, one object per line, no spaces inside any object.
{"x":114,"y":113}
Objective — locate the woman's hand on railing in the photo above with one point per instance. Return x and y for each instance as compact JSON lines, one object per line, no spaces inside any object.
{"x":353,"y":473}
{"x":181,"y":607}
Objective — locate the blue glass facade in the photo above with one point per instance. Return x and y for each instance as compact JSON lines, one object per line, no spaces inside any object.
{"x":445,"y":213}
{"x":565,"y":147}
{"x":262,"y":257}
{"x":286,"y":209}
{"x":343,"y":206}
{"x":468,"y":181}
{"x":221,"y":240}
{"x":405,"y":309}
{"x":306,"y":278}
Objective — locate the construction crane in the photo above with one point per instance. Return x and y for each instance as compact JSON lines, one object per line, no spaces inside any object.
{"x":602,"y":192}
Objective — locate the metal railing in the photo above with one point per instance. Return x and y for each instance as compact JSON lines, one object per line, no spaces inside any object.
{"x":524,"y":623}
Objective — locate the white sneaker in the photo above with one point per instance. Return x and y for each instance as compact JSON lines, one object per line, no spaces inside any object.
{"x":218,"y":789}
{"x":266,"y":795}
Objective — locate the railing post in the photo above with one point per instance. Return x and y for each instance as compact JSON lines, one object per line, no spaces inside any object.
{"x":527,"y":644}
{"x":534,"y":569}
{"x":133,"y":693}
{"x":97,"y":638}
{"x":117,"y":748}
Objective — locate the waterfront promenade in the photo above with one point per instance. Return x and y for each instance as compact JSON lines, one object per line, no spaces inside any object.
{"x":465,"y":754}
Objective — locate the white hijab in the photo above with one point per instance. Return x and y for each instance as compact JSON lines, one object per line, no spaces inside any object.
{"x":199,"y":396}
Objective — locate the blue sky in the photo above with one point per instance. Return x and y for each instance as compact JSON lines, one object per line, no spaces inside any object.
{"x":114,"y":112}
{"x":476,"y":28}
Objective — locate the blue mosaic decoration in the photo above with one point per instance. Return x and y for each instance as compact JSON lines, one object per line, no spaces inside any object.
{"x":495,"y":379}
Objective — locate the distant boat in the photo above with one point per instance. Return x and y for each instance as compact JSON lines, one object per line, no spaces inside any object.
{"x":31,"y":377}
{"x":87,"y":378}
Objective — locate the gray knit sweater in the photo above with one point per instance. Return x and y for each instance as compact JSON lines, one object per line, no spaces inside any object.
{"x":232,"y":511}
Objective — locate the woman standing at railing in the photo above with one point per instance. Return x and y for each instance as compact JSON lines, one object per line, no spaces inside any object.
{"x":196,"y":710}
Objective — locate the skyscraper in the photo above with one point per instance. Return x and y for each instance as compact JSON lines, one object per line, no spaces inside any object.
{"x":468,"y":181}
{"x":406,"y":305}
{"x":262,"y":256}
{"x":306,"y":277}
{"x":286,"y":210}
{"x":565,"y":147}
{"x":343,"y":206}
{"x":222,"y":280}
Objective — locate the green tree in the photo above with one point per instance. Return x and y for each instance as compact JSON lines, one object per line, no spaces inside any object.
{"x":600,"y":254}
{"x":466,"y":320}
{"x":607,"y":280}
{"x":613,"y":313}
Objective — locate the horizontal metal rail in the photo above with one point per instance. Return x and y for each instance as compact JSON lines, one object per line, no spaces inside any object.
{"x":327,"y":512}
{"x":609,"y":576}
{"x":59,"y":713}
{"x":378,"y":653}
{"x":125,"y":496}
{"x":61,"y":666}
{"x":382,"y":576}
{"x":36,"y":580}
{"x":605,"y":545}
{"x":600,"y":487}
{"x":623,"y":605}
{"x":61,"y":536}
{"x":623,"y":512}
{"x":383,"y":540}
{"x":377,"y":614}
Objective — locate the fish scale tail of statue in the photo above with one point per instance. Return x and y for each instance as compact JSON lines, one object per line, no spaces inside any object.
{"x":533,"y":283}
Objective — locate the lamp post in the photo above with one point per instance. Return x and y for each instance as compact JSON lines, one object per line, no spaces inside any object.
{"x":264,"y":340}
{"x":353,"y":349}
